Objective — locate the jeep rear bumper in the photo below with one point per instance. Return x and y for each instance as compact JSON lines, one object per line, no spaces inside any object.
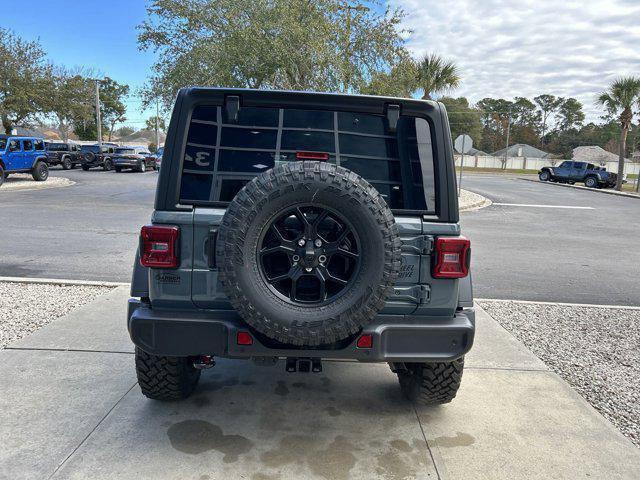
{"x":396,"y":338}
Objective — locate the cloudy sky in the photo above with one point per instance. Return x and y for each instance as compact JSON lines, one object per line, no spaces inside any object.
{"x":508,"y":48}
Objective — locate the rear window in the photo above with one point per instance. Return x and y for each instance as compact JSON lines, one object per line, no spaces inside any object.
{"x":126,"y":151}
{"x":221,"y":157}
{"x":57,"y":147}
{"x":90,"y":148}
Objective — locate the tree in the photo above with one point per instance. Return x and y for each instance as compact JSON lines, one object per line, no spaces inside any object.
{"x":151,"y":124}
{"x":495,"y":117}
{"x":400,"y":81}
{"x":436,"y":75}
{"x":570,"y":114}
{"x":463,"y":119}
{"x":124,"y":131}
{"x":70,"y":100}
{"x":24,"y":80}
{"x":619,"y":99}
{"x":113,"y":109}
{"x":548,"y":105}
{"x":324,"y":45}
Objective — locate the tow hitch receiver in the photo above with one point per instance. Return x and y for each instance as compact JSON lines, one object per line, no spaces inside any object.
{"x":303,"y":365}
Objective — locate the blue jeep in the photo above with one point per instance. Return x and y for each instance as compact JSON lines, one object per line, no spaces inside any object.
{"x":23,"y":154}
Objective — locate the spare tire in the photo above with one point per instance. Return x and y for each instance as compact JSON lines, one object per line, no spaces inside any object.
{"x":308,"y":253}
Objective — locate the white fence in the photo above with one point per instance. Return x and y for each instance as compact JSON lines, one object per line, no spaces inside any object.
{"x":530,"y":163}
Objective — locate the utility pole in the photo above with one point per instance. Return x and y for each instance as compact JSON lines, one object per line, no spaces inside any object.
{"x":157,"y":126}
{"x":506,"y":150}
{"x":98,"y":119}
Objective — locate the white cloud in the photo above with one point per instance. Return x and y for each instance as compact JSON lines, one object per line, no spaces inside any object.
{"x":508,"y":48}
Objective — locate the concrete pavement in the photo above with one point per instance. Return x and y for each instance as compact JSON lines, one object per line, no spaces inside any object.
{"x":70,"y":409}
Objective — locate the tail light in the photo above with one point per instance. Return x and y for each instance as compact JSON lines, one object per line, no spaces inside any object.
{"x":453,"y":255}
{"x":159,"y":246}
{"x":312,"y":156}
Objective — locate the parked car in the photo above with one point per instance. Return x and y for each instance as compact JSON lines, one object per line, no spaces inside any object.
{"x":98,"y":156}
{"x":67,"y":154}
{"x":23,"y":155}
{"x":158,"y":157}
{"x":268,"y":243}
{"x":137,"y":159}
{"x":572,"y":172}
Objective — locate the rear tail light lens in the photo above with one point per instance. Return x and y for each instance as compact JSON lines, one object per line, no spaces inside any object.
{"x":244,"y":338}
{"x":453,"y":255}
{"x":365,"y":341}
{"x":312,"y":156}
{"x":159,"y":246}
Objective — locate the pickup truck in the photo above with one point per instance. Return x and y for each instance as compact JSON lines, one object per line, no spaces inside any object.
{"x":292,"y":227}
{"x":572,"y":172}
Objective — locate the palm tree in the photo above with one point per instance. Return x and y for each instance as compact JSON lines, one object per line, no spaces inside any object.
{"x":436,"y":75}
{"x":620,"y":98}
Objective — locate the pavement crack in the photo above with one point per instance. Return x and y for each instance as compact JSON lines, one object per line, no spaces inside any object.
{"x":424,"y":436}
{"x":91,"y":432}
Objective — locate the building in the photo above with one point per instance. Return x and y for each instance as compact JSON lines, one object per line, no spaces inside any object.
{"x":522,"y":150}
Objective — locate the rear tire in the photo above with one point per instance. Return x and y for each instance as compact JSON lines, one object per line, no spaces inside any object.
{"x":591,"y":182}
{"x":40,"y":171}
{"x":66,"y":163}
{"x":85,"y":168}
{"x":431,"y":383}
{"x":165,"y":378}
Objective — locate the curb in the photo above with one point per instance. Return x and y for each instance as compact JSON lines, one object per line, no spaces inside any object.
{"x":560,"y":304}
{"x":60,"y":281}
{"x":38,"y":186}
{"x":482,"y":203}
{"x":578,"y":187}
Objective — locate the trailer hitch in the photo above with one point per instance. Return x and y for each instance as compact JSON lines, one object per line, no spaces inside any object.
{"x":303,"y":365}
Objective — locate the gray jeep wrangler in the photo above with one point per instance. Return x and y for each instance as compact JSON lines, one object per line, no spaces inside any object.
{"x":300,"y":227}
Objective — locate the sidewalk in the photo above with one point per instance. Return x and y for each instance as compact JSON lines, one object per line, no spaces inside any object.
{"x":71,"y":409}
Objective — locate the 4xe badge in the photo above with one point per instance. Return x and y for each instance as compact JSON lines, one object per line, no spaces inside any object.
{"x":168,"y":278}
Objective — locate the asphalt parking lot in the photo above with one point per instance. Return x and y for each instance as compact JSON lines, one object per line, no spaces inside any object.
{"x":584,"y":255}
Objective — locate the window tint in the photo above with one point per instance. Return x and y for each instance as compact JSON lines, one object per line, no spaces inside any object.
{"x":254,"y":117}
{"x":308,"y":140}
{"x":3,"y":143}
{"x":361,"y":123}
{"x":14,"y":146}
{"x":565,"y":165}
{"x":27,"y":145}
{"x":248,"y":138}
{"x":126,"y":151}
{"x":578,"y":165}
{"x":221,"y":157}
{"x":315,"y":119}
{"x":56,"y":147}
{"x":39,"y":144}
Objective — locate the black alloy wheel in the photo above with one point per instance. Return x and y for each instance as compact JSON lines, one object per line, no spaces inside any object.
{"x":309,"y":254}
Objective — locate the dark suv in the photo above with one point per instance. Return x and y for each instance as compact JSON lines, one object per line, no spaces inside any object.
{"x":299,"y":227}
{"x":98,"y":156}
{"x":66,"y":154}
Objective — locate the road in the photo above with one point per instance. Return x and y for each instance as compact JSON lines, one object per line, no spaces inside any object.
{"x":89,"y":231}
{"x":587,"y":255}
